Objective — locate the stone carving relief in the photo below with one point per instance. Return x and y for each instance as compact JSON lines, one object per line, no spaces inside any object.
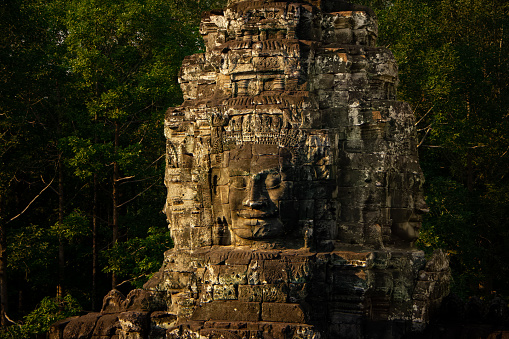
{"x":309,"y":150}
{"x":259,"y":181}
{"x":294,"y":189}
{"x":279,"y":67}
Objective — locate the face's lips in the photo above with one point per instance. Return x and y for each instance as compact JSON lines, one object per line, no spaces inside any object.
{"x":255,"y":214}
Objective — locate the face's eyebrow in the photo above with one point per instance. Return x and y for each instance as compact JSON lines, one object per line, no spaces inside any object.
{"x":239,"y":172}
{"x":271,"y":171}
{"x":265,"y":172}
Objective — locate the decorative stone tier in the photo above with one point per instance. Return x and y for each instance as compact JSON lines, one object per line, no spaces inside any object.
{"x":241,"y":293}
{"x":335,"y":291}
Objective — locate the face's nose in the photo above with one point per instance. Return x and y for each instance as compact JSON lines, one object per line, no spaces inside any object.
{"x":256,"y":197}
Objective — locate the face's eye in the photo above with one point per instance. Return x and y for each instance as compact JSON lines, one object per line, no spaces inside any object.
{"x":239,"y":182}
{"x":272,"y":181}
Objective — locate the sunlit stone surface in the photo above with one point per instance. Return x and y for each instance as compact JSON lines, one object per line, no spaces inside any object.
{"x":294,"y":188}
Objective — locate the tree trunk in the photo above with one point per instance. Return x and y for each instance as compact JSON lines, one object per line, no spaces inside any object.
{"x":61,"y":254}
{"x":94,"y":226}
{"x":116,"y":176}
{"x":94,"y":245}
{"x":470,"y":171}
{"x":21,"y":301}
{"x":4,"y":305}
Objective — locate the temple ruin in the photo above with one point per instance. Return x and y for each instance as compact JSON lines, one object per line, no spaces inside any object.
{"x":294,"y":188}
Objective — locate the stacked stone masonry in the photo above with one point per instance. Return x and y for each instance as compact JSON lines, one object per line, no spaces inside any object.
{"x":294,"y":189}
{"x":273,"y":294}
{"x":274,"y":68}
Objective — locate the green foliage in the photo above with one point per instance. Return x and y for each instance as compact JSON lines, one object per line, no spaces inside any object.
{"x":33,"y":250}
{"x":42,"y":317}
{"x":450,"y":225}
{"x":30,"y":254}
{"x":85,"y":157}
{"x":138,"y":258}
{"x":73,"y":227}
{"x":127,"y":52}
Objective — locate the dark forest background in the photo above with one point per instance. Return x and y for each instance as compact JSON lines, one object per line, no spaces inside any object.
{"x":83,"y":89}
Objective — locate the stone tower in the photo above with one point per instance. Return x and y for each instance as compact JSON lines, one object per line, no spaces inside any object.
{"x":294,"y":188}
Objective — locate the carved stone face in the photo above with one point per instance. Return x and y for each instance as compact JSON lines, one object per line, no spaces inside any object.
{"x":257,"y":187}
{"x":406,"y":224}
{"x":407,"y":216}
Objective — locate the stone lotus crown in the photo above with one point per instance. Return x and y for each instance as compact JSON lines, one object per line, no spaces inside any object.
{"x":264,"y":129}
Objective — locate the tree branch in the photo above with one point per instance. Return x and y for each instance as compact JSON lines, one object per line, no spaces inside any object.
{"x":30,"y":203}
{"x":424,"y":116}
{"x":10,"y":320}
{"x":125,"y":178}
{"x":128,"y":280}
{"x":137,"y":195}
{"x":425,"y":135}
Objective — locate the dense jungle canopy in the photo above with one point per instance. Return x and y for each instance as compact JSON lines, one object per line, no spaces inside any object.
{"x":83,"y":89}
